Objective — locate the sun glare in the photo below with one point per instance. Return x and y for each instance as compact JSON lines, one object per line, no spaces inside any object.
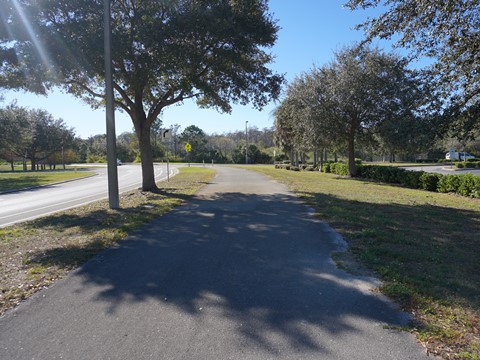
{"x":31,"y":33}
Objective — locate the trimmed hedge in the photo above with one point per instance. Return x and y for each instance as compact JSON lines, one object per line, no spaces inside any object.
{"x":389,"y":174}
{"x":339,"y":169}
{"x":469,"y":164}
{"x":449,"y":183}
{"x":429,"y":181}
{"x":464,"y":184}
{"x":469,"y":185}
{"x":335,"y":168}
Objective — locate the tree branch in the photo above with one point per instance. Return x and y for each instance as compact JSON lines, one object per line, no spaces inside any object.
{"x":124,"y":95}
{"x":85,"y":87}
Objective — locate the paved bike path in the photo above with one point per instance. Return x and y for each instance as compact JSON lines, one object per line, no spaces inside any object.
{"x":241,"y":272}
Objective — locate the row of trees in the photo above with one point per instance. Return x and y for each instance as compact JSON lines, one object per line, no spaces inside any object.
{"x":31,"y":135}
{"x":229,"y":147}
{"x":219,"y":148}
{"x":35,"y":136}
{"x":364,"y":96}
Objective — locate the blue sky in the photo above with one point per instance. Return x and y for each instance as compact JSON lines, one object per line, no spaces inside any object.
{"x":311,"y":30}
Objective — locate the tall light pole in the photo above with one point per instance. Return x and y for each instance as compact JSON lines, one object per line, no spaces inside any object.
{"x":246,"y":142}
{"x":113,"y":197}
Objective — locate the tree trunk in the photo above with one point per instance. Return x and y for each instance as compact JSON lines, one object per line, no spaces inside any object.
{"x":352,"y":169}
{"x":315,"y":156}
{"x":321,"y":160}
{"x":146,"y":156}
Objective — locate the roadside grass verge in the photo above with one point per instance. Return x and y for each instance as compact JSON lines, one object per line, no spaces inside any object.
{"x":21,"y":180}
{"x":34,"y":254}
{"x":423,"y":245}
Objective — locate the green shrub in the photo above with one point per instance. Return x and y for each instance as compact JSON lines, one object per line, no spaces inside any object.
{"x":96,"y":159}
{"x":449,"y":184}
{"x":412,"y":180}
{"x":476,"y":189}
{"x":465,"y":184}
{"x":326,"y":167}
{"x":459,"y":165}
{"x":429,"y":181}
{"x":391,"y":174}
{"x":294,"y":168}
{"x":388,"y":174}
{"x":339,"y":169}
{"x":469,"y":185}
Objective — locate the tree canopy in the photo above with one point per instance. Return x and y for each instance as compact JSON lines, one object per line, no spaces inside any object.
{"x":363,"y":92}
{"x":32,"y":134}
{"x":164,"y":52}
{"x":446,"y":32}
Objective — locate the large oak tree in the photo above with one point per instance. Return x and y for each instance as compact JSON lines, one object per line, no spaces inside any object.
{"x":164,"y":52}
{"x":348,"y":100}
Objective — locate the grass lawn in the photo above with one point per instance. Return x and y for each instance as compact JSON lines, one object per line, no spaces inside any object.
{"x":36,"y":253}
{"x":423,"y":245}
{"x":22,"y":180}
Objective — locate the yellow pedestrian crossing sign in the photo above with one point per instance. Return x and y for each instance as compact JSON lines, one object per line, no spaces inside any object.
{"x":188,"y":147}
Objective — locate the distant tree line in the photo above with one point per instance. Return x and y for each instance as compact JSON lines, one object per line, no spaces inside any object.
{"x":255,"y":147}
{"x":37,"y":141}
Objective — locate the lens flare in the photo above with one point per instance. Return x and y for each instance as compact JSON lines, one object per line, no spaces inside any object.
{"x":33,"y":36}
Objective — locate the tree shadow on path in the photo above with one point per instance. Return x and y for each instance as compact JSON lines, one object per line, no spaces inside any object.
{"x":259,"y":264}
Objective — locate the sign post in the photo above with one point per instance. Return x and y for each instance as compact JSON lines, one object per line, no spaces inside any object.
{"x":188,"y":148}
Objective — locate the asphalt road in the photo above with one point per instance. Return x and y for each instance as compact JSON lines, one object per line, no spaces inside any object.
{"x":36,"y":202}
{"x":446,"y":170}
{"x":241,"y":272}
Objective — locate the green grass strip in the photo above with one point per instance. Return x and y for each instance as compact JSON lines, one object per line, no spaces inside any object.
{"x":21,"y":180}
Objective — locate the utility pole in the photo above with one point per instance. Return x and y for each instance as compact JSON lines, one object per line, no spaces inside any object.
{"x":113,"y":197}
{"x":246,"y":142}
